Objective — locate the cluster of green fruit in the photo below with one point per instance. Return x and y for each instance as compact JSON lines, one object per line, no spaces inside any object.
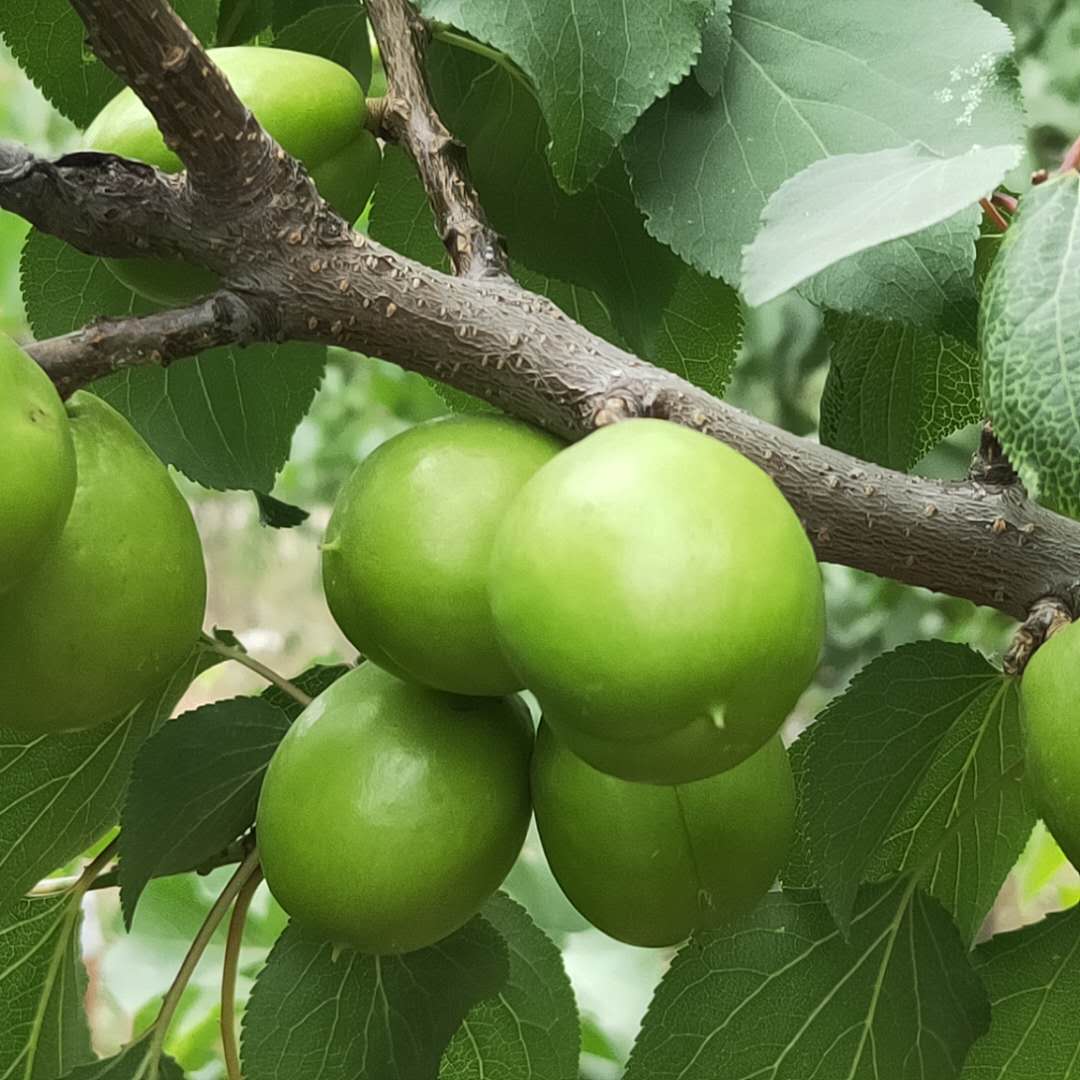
{"x":102,"y":582}
{"x":657,"y":595}
{"x":315,"y":110}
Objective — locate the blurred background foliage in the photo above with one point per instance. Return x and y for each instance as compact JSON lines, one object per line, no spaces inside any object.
{"x":265,"y":586}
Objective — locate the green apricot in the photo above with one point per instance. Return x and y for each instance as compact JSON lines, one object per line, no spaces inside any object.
{"x":658,"y":594}
{"x":406,"y":552}
{"x":1051,"y":701}
{"x":116,"y":603}
{"x":391,"y":812}
{"x":649,"y":863}
{"x":313,"y":107}
{"x":37,"y":463}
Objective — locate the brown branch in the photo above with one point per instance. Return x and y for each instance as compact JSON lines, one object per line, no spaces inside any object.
{"x":151,"y":49}
{"x":107,"y":345}
{"x":407,"y":116}
{"x":303,"y":274}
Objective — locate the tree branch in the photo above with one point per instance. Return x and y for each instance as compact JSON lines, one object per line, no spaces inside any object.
{"x":304,"y":274}
{"x":407,"y":116}
{"x":107,"y":345}
{"x":154,"y":52}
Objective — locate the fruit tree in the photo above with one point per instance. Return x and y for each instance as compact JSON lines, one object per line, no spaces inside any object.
{"x":672,"y":412}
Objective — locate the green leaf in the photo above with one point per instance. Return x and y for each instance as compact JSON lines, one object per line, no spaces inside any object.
{"x":1033,"y":979}
{"x":1028,"y":336}
{"x":662,"y":309}
{"x":339,"y":32}
{"x":344,"y":1015}
{"x":241,"y":20}
{"x":845,"y":204}
{"x":927,"y":279}
{"x":62,"y":792}
{"x":894,"y":392}
{"x":43,"y":1029}
{"x":805,"y":81}
{"x":276,"y":514}
{"x":782,"y":995}
{"x":312,"y":682}
{"x":530,"y":1031}
{"x":915,"y":768}
{"x":132,"y":1063}
{"x":715,"y":48}
{"x":194,"y":789}
{"x":48,"y":40}
{"x":596,"y":66}
{"x":225,"y":418}
{"x":288,"y":11}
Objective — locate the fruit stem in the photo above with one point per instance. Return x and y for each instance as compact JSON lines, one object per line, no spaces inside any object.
{"x":240,"y":878}
{"x":259,"y":668}
{"x":229,"y":970}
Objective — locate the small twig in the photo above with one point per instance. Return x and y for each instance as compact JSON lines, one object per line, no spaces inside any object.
{"x":252,"y":664}
{"x":1046,"y":618}
{"x":108,"y":345}
{"x":82,"y":883}
{"x":229,"y":971}
{"x":1007,"y":202}
{"x":235,"y":885}
{"x":409,"y":118}
{"x":994,"y":214}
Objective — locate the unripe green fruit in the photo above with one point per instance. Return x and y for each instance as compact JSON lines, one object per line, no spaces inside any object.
{"x":37,"y":464}
{"x":116,"y":603}
{"x":657,"y":593}
{"x":1051,"y":695}
{"x":406,"y":553}
{"x":391,"y":812}
{"x":313,"y":107}
{"x":650,"y":863}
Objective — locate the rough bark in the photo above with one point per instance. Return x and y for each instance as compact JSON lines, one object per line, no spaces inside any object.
{"x":292,"y":269}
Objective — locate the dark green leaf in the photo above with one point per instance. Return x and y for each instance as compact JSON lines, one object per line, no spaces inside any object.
{"x":43,"y":1030}
{"x":241,"y":20}
{"x":845,"y":204}
{"x":805,"y":81}
{"x":782,"y":995}
{"x":62,"y":792}
{"x":915,"y":768}
{"x":1033,"y":979}
{"x":225,"y":418}
{"x":339,"y":32}
{"x":132,"y":1063}
{"x":312,"y":682}
{"x":194,"y":789}
{"x":277,"y":514}
{"x":49,"y":41}
{"x":530,"y":1031}
{"x":344,"y":1015}
{"x":893,"y":391}
{"x":715,"y":48}
{"x":1027,"y":329}
{"x":596,"y":67}
{"x":288,"y":11}
{"x":662,"y":309}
